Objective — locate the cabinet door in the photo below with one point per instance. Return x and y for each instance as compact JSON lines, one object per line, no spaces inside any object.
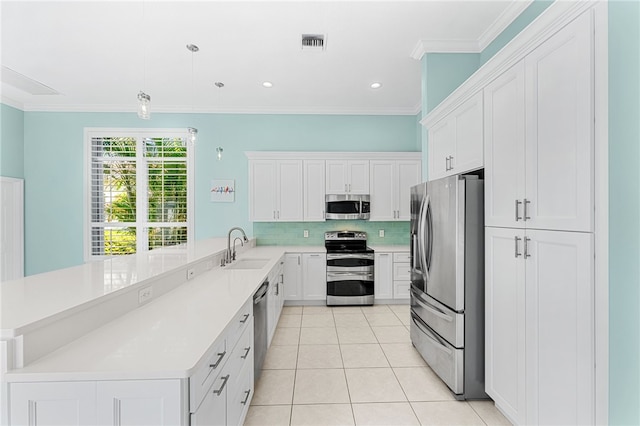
{"x":441,"y":146}
{"x":212,"y":411}
{"x":504,"y":115}
{"x":468,"y":135}
{"x":314,"y":183}
{"x":409,"y":174}
{"x":383,"y":276}
{"x":560,"y":322}
{"x":263,"y":203}
{"x":336,"y":176}
{"x":505,"y":320}
{"x":383,"y":194}
{"x":289,"y":190}
{"x":141,"y":402}
{"x":293,"y":276}
{"x":53,"y":403}
{"x":314,"y":276}
{"x":358,"y":182}
{"x":559,"y":132}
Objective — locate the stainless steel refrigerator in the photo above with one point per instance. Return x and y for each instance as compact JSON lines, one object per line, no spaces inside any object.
{"x":447,"y":280}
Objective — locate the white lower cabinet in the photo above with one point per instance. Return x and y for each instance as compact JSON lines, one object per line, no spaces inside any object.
{"x":53,"y":403}
{"x":275,"y":299}
{"x":392,"y":275}
{"x":383,"y":276}
{"x":539,"y":325}
{"x":314,"y":276}
{"x":138,"y":402}
{"x":293,"y":276}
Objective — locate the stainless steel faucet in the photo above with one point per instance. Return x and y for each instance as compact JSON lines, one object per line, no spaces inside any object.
{"x":233,"y":256}
{"x":229,"y":257}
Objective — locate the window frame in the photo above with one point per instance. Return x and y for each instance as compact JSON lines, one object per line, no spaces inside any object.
{"x":141,"y":173}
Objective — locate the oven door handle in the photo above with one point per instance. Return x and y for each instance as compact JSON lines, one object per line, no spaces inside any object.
{"x":334,"y":256}
{"x":331,"y":277}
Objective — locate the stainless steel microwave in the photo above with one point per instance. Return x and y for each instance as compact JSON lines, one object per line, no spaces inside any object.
{"x":347,"y":206}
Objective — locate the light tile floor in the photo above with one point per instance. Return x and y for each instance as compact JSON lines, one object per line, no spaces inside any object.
{"x":354,"y":366}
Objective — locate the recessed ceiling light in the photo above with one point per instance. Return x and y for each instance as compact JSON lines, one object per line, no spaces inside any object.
{"x":219,"y":84}
{"x":267,"y":84}
{"x":376,"y":85}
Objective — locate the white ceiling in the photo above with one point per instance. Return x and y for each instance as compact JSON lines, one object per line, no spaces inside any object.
{"x":95,"y":53}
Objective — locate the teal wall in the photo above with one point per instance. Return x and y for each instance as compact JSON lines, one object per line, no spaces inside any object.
{"x":11,"y":142}
{"x":291,"y":233}
{"x":513,"y":29}
{"x":53,"y":168}
{"x":442,"y":73}
{"x":624,"y":212}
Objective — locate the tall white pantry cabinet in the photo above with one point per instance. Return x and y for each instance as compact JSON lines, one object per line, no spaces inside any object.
{"x":539,"y":254}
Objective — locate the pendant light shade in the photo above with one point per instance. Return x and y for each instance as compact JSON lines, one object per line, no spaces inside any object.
{"x":193,"y":133}
{"x":143,"y":106}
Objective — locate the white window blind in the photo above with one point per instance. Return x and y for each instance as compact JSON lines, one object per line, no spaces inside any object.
{"x":140,"y":191}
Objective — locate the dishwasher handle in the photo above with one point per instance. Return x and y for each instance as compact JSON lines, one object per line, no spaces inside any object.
{"x":261,"y":293}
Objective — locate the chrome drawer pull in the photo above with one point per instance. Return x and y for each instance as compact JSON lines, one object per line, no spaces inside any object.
{"x":246,"y":317}
{"x":225,"y":379}
{"x":526,"y":247}
{"x":248,"y":392}
{"x":220,"y":356}
{"x":246,"y":354}
{"x":516,"y":240}
{"x":526,"y":202}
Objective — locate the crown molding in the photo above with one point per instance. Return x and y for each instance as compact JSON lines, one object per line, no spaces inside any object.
{"x":502,"y":22}
{"x":507,"y":16}
{"x":12,"y":103}
{"x":130,"y":108}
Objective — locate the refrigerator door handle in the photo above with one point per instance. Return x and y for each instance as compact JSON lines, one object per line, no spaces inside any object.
{"x":422,"y":246}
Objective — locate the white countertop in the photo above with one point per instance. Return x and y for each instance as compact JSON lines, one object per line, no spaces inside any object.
{"x":165,"y":338}
{"x":27,"y":301}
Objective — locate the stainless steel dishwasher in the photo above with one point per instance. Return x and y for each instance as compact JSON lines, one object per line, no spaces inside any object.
{"x":260,"y":328}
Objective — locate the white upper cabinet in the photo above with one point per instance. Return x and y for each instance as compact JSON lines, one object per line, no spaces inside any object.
{"x":391,"y":181}
{"x":314,"y":182}
{"x":275,"y":190}
{"x":347,"y":177}
{"x":559,"y":133}
{"x":539,"y":137}
{"x":455,"y":142}
{"x":504,"y":114}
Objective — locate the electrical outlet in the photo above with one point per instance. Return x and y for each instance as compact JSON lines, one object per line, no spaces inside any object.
{"x":306,"y":233}
{"x":381,"y":233}
{"x":145,"y":295}
{"x":190,"y":273}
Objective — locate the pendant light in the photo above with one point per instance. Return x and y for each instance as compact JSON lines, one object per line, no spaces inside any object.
{"x":144,"y":100}
{"x":193,"y":132}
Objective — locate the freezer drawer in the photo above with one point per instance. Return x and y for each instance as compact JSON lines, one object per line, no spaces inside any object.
{"x":444,"y":321}
{"x":445,"y":360}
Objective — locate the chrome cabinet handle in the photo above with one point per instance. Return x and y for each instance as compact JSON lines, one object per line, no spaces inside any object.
{"x":526,"y":202}
{"x":274,"y":214}
{"x":220,"y":356}
{"x":246,"y":354}
{"x":446,"y":164}
{"x":248,"y":392}
{"x":517,"y":254}
{"x":225,"y":379}
{"x":518,"y":202}
{"x":246,"y":317}
{"x":345,"y":188}
{"x":526,"y":247}
{"x":451,"y":162}
{"x":277,"y":288}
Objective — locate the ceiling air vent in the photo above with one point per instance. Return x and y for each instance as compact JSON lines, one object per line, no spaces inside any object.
{"x":313,"y":42}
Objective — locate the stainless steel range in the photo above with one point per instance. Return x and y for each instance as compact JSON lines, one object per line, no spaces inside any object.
{"x":350,"y":277}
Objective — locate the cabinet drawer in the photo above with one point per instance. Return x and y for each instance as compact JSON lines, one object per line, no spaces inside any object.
{"x":402,"y":257}
{"x":202,"y":379}
{"x":239,"y":397}
{"x":241,"y":356}
{"x":401,"y":289}
{"x":239,"y":324}
{"x":401,"y":271}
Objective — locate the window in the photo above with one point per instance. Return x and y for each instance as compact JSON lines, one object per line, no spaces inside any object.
{"x":139,"y":190}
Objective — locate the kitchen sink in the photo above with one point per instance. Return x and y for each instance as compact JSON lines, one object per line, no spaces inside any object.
{"x":248,"y":264}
